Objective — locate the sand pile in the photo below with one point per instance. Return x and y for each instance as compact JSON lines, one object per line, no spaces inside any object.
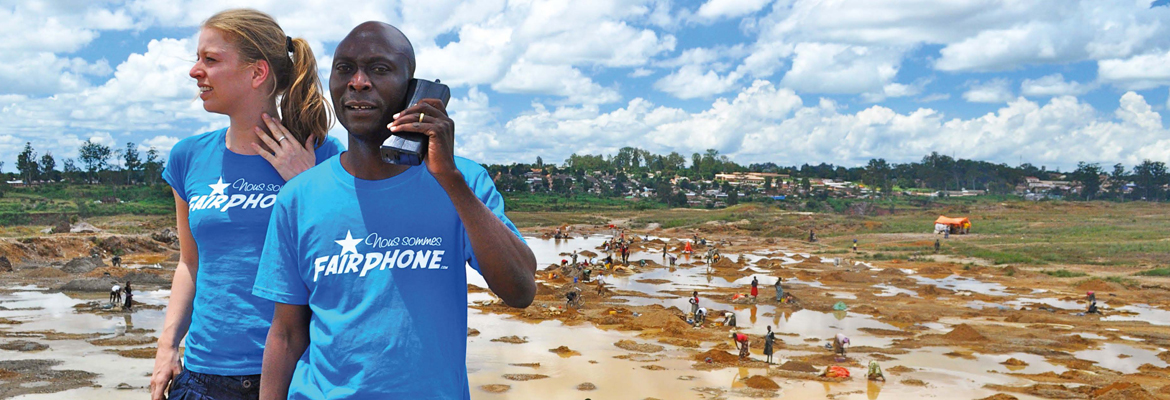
{"x":511,"y":339}
{"x":1015,"y":362}
{"x":640,"y":347}
{"x":1097,"y":285}
{"x":840,"y":276}
{"x":934,"y":270}
{"x":717,"y":356}
{"x":761,"y":382}
{"x":496,"y":388}
{"x":890,"y":272}
{"x":865,"y":309}
{"x":1001,"y":396}
{"x":586,"y":386}
{"x":524,"y":377}
{"x":932,"y":290}
{"x":964,"y":333}
{"x":725,"y":263}
{"x":798,"y":366}
{"x":1122,"y":391}
{"x":561,"y":350}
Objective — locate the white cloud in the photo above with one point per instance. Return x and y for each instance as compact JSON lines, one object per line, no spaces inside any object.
{"x":1052,"y":85}
{"x":836,"y":68}
{"x":993,"y":91}
{"x":934,"y":97}
{"x":161,"y":143}
{"x":693,"y":81}
{"x":641,"y":72}
{"x":719,"y":9}
{"x":1139,"y":72}
{"x":558,"y":80}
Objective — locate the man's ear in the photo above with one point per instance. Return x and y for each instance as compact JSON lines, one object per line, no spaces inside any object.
{"x":260,"y":72}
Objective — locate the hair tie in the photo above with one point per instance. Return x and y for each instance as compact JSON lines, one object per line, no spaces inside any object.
{"x":289,"y":43}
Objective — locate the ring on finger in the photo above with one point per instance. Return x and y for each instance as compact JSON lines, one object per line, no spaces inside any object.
{"x":420,"y":117}
{"x":281,"y":138}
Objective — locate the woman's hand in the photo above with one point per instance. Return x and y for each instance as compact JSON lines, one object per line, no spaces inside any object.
{"x":167,"y":367}
{"x":284,"y":153}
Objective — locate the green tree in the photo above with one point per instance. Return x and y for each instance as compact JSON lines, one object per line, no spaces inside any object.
{"x":95,"y":156}
{"x":733,"y":197}
{"x":153,"y":165}
{"x":1149,"y":176}
{"x":70,"y":169}
{"x":1089,"y":175}
{"x":26,"y":163}
{"x":47,"y":166}
{"x":131,"y":161}
{"x":1117,"y":181}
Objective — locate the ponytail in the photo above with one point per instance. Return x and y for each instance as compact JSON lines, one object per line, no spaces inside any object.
{"x":303,"y":108}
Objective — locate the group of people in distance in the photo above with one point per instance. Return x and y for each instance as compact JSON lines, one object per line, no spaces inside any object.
{"x":329,"y":273}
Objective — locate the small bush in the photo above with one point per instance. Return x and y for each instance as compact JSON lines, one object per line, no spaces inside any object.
{"x":1155,"y":272}
{"x":1064,"y":273}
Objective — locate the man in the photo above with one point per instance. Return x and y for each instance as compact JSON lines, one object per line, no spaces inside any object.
{"x":115,"y":294}
{"x":694,"y":300}
{"x":769,"y":340}
{"x":366,"y":259}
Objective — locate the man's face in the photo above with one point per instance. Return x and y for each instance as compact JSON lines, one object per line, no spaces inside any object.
{"x":370,"y":73}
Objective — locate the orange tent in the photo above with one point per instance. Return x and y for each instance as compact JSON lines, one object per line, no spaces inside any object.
{"x":960,"y":222}
{"x":955,"y":225}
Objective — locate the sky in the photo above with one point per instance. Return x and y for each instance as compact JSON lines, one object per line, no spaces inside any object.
{"x":786,"y":81}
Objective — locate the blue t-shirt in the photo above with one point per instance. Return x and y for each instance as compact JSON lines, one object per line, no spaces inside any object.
{"x":381,"y":266}
{"x":230,"y":198}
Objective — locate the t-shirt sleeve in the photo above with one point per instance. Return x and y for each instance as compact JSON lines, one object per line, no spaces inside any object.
{"x":278,"y":277}
{"x":175,"y":172}
{"x":485,"y":189}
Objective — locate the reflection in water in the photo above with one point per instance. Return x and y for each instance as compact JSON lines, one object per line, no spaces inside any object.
{"x":872,"y":390}
{"x":753,"y":317}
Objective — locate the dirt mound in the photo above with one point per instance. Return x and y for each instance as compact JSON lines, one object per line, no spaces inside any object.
{"x":81,"y":265}
{"x":87,"y":285}
{"x":932,"y":290}
{"x":964,"y":333}
{"x":511,"y":339}
{"x":680,"y":342}
{"x":799,"y":366}
{"x":1000,"y":396}
{"x":840,"y":276}
{"x":900,"y":369}
{"x":562,"y":350}
{"x":934,"y":270}
{"x":23,"y":345}
{"x":586,"y":387}
{"x":671,"y":321}
{"x":865,"y":309}
{"x":761,"y":382}
{"x":717,"y":356}
{"x":725,"y":263}
{"x":44,"y":272}
{"x":524,"y":377}
{"x":1123,"y":391}
{"x":639,"y":347}
{"x":1097,"y":285}
{"x":495,"y":388}
{"x":890,"y":272}
{"x":129,"y":244}
{"x":472,"y":332}
{"x":1015,"y":362}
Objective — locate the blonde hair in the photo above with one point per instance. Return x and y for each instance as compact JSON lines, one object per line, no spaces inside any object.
{"x":303,"y":108}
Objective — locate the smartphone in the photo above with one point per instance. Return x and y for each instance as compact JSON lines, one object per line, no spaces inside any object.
{"x":409,"y":148}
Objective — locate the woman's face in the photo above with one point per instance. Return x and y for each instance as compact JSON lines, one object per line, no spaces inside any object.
{"x":224,"y":80}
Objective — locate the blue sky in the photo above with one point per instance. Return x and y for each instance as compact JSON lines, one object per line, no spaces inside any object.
{"x":786,"y":81}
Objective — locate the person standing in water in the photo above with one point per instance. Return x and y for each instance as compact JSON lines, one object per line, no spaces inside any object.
{"x":769,"y":339}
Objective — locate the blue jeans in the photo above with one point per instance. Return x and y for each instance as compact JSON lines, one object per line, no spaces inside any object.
{"x":190,"y":385}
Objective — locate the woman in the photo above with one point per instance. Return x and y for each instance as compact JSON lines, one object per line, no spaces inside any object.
{"x":225,"y":183}
{"x":769,"y":339}
{"x":741,"y":343}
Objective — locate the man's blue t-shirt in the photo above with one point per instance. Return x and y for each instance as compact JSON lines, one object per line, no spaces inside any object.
{"x":381,"y":266}
{"x":229,"y":198}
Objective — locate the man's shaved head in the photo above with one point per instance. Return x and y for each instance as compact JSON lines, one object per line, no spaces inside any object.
{"x":386,"y":33}
{"x":371,"y":72}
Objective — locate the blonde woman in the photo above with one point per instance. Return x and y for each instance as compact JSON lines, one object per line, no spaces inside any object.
{"x":225,"y":183}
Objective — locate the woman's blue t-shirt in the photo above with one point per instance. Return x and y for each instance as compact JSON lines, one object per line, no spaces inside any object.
{"x":381,"y":266}
{"x":229,"y":198}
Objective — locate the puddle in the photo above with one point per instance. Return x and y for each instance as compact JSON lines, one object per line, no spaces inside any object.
{"x":1107,"y":357}
{"x":1144,"y":312}
{"x":1055,"y":303}
{"x":891,"y":290}
{"x":960,"y":284}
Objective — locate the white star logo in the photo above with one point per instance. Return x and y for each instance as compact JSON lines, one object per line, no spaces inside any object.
{"x":218,"y":187}
{"x":349,"y":244}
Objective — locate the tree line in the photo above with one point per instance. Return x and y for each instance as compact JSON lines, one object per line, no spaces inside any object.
{"x":935,"y":172}
{"x":93,"y":165}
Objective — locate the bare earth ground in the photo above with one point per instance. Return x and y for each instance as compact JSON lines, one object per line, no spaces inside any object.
{"x":967,"y":308}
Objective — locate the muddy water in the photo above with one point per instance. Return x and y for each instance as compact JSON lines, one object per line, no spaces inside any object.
{"x":674,"y":378}
{"x":1108,"y":356}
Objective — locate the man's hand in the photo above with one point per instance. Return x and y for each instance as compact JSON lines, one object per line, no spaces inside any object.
{"x":429,"y":117}
{"x":284,"y":153}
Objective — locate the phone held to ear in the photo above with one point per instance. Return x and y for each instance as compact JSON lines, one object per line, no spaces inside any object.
{"x":409,"y":148}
